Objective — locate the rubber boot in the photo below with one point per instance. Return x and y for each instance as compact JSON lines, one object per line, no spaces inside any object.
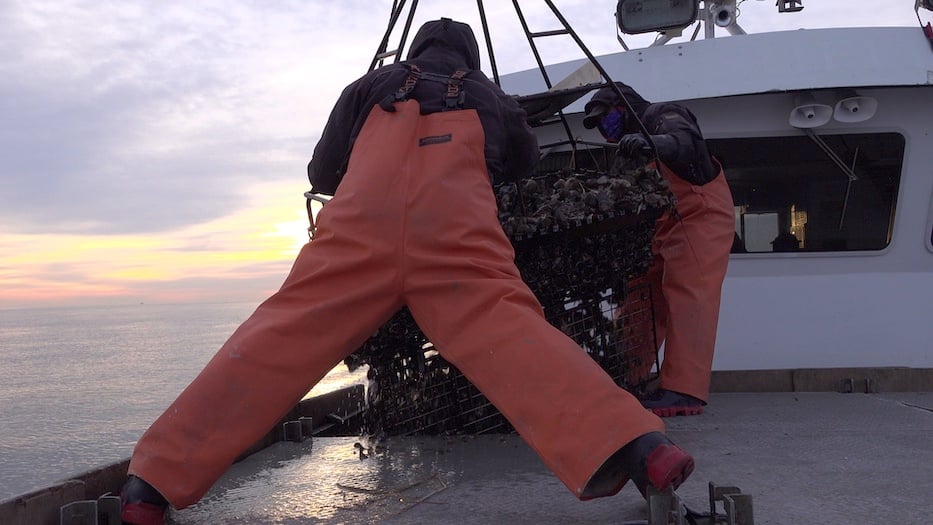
{"x":141,"y":504}
{"x":667,"y":403}
{"x":654,"y":459}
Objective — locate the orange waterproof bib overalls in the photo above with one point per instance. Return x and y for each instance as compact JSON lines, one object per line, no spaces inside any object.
{"x":414,"y":223}
{"x":690,"y":255}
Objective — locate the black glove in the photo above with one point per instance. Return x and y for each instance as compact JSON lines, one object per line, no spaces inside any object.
{"x":633,"y":144}
{"x":636,"y":144}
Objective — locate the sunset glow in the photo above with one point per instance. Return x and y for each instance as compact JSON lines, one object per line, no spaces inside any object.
{"x":253,"y":247}
{"x":156,"y":153}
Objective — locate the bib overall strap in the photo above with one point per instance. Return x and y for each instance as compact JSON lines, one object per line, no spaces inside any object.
{"x":414,"y":73}
{"x":455,"y":95}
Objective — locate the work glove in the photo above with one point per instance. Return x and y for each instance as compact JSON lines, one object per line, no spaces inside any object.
{"x":635,"y":144}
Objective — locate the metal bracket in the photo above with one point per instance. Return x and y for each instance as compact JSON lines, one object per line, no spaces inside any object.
{"x":665,"y":508}
{"x":848,"y":385}
{"x":297,"y":430}
{"x":736,"y":506}
{"x":105,"y":510}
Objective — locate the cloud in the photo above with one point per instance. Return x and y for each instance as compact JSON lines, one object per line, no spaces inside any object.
{"x":140,"y":117}
{"x":149,"y":145}
{"x":145,"y":117}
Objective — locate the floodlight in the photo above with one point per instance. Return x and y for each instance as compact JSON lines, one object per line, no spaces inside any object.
{"x":645,"y":16}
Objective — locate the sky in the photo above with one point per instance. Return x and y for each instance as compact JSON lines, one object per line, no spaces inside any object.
{"x":156,"y":151}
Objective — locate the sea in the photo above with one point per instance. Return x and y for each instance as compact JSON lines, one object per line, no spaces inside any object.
{"x":79,"y":385}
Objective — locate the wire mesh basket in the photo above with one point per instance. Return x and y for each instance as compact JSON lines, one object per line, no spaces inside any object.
{"x":580,"y":238}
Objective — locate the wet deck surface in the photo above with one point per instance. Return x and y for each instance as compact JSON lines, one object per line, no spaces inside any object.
{"x":805,"y":458}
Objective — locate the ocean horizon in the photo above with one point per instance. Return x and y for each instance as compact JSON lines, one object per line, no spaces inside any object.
{"x":80,"y":384}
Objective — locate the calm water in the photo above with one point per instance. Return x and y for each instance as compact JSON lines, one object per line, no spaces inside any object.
{"x":78,"y":386}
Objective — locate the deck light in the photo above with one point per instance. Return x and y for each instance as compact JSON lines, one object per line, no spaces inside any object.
{"x":644,"y":16}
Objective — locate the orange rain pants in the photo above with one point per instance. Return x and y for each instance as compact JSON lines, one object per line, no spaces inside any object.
{"x":417,"y":226}
{"x":691,"y":254}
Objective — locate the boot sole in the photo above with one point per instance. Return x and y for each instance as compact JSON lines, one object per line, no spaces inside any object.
{"x":668,"y":467}
{"x":677,"y":411}
{"x":142,"y":513}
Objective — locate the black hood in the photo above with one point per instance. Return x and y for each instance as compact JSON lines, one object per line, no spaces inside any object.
{"x":606,"y":98}
{"x":450,"y":36}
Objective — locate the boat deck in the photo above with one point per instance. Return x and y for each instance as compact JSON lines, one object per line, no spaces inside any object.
{"x":825,"y":458}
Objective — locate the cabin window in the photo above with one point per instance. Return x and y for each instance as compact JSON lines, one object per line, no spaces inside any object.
{"x":790,"y":196}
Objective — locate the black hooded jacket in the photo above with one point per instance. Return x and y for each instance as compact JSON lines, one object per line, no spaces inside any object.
{"x":690,"y":159}
{"x":441,"y":47}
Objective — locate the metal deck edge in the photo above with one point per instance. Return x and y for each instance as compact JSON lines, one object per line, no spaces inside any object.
{"x":42,"y":506}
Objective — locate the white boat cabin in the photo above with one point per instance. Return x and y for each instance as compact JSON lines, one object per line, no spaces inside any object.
{"x":826,"y":137}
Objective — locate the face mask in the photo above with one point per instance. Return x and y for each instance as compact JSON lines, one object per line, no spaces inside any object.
{"x":611,"y":125}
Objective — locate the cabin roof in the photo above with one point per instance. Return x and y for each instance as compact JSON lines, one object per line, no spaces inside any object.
{"x":758,"y":63}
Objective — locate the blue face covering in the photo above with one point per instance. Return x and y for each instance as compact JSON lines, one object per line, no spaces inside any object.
{"x":611,"y":125}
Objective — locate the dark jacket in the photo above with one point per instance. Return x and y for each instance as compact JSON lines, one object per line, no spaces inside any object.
{"x":689,"y":158}
{"x":441,"y":47}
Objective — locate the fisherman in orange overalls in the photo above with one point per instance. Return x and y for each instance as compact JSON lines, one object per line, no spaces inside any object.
{"x":690,"y":247}
{"x":408,"y":153}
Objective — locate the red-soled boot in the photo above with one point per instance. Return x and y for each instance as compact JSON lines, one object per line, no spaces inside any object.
{"x":667,"y":403}
{"x":654,"y":459}
{"x":142,"y":504}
